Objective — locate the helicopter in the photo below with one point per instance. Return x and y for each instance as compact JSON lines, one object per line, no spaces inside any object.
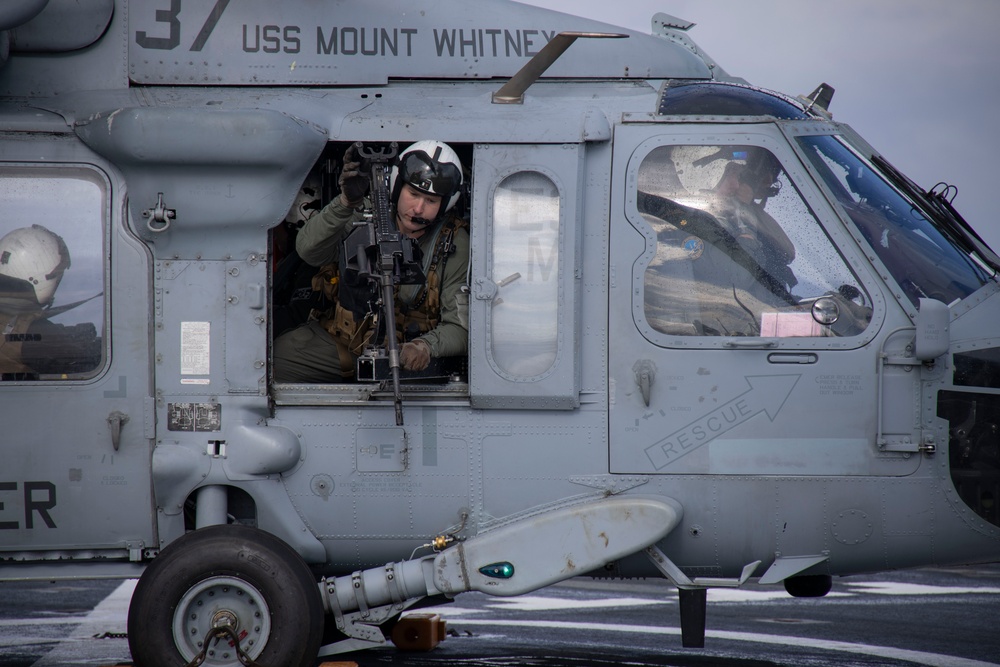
{"x":713,"y":335}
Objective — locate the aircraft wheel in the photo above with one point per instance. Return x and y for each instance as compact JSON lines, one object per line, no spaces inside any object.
{"x":809,"y":585}
{"x":221,"y":575}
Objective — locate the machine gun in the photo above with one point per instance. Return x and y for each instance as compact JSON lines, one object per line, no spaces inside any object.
{"x":380,"y":255}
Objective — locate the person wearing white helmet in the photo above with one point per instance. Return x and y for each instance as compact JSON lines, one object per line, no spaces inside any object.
{"x":32,"y":263}
{"x":431,"y":317}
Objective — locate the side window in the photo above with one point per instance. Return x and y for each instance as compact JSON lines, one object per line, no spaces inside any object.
{"x":51,"y":272}
{"x":738,"y":251}
{"x":525,"y":267}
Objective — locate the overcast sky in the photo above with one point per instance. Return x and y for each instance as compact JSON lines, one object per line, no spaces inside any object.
{"x":919,"y":79}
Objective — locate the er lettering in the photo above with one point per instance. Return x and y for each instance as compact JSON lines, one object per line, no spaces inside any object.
{"x":39,"y":497}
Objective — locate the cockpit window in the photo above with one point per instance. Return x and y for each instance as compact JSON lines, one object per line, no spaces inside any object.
{"x":926,"y":261}
{"x":738,"y":252}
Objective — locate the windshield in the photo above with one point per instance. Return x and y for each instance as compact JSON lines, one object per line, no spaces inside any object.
{"x":926,"y":260}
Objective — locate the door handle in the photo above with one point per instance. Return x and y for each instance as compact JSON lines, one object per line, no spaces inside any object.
{"x":645,"y":373}
{"x":115,"y":421}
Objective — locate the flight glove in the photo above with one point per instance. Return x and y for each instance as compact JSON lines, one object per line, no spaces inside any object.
{"x":353,"y":183}
{"x":415,"y":355}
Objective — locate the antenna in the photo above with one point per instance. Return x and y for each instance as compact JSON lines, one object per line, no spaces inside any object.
{"x":512,"y":92}
{"x":821,"y":97}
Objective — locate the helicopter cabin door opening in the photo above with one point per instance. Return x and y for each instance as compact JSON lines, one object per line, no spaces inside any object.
{"x":522,"y":305}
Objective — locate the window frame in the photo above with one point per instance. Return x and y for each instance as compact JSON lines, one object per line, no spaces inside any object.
{"x":92,"y":174}
{"x":768,"y":137}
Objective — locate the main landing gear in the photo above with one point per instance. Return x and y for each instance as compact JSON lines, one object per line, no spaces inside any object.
{"x":223,"y":591}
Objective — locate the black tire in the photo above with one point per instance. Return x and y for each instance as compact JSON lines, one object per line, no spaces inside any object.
{"x":809,"y":585}
{"x":237,"y":572}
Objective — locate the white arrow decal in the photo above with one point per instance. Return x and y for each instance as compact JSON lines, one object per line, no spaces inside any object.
{"x":767,"y":394}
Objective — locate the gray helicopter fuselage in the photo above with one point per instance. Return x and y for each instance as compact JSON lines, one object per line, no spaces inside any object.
{"x":808,"y":376}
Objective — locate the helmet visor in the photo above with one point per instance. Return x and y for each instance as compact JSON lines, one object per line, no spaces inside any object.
{"x":427,"y":175}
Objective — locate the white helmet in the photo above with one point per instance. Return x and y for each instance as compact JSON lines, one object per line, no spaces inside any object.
{"x":431,"y":167}
{"x":36,"y":256}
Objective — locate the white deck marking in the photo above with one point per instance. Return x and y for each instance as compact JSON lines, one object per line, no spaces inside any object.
{"x":900,"y":588}
{"x":918,"y":657}
{"x":108,"y":616}
{"x":542,"y":603}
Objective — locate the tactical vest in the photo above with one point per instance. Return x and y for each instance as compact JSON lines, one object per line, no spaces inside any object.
{"x":415,"y":315}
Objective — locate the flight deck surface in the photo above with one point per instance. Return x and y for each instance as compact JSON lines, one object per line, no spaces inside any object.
{"x":942,"y":617}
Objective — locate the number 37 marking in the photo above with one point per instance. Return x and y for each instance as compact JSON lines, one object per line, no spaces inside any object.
{"x":170,"y":17}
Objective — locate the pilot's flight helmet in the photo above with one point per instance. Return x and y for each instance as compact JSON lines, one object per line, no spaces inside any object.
{"x":431,"y":167}
{"x":36,"y":256}
{"x":761,"y":173}
{"x":702,"y":168}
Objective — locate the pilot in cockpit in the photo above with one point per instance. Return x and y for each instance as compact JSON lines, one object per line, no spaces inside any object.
{"x":723,"y":263}
{"x":749,"y":179}
{"x":721,"y":197}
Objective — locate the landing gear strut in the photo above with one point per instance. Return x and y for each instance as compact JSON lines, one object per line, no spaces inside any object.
{"x":693,"y":594}
{"x":693,"y":604}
